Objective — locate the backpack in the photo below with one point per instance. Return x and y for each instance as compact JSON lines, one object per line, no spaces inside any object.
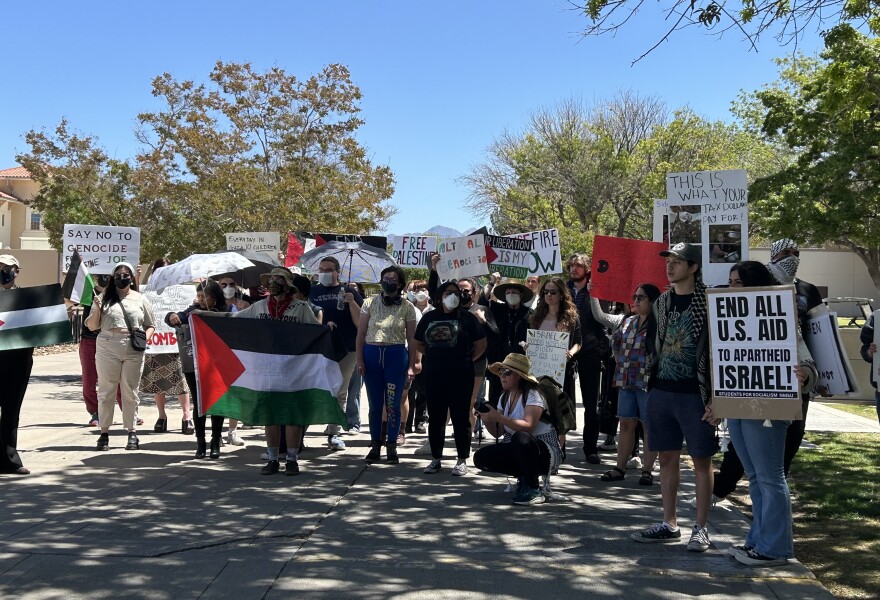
{"x":561,"y":409}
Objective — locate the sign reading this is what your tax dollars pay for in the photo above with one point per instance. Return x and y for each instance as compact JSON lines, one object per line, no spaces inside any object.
{"x":101,"y":247}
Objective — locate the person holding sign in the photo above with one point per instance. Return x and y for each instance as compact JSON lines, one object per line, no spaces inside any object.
{"x":530,"y":446}
{"x":678,"y":394}
{"x":117,"y":313}
{"x":557,"y":312}
{"x":632,"y":343}
{"x":760,"y":446}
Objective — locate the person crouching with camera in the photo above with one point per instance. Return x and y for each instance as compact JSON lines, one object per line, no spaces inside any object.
{"x":530,"y":445}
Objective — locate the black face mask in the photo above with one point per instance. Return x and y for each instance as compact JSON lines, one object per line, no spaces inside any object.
{"x":121,"y":282}
{"x":465,"y":298}
{"x":388,"y":287}
{"x":7,"y":276}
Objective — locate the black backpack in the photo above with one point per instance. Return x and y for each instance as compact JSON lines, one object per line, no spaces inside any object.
{"x":561,"y":409}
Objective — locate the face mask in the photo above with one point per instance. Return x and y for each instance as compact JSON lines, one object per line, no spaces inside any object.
{"x":411,"y":296}
{"x":785,"y":269}
{"x":229,"y":292}
{"x":451,"y":302}
{"x":388,"y":287}
{"x":465,"y":298}
{"x":325,"y":279}
{"x":513,"y":299}
{"x":275,"y":288}
{"x":421,"y":296}
{"x":120,"y":282}
{"x":7,"y":276}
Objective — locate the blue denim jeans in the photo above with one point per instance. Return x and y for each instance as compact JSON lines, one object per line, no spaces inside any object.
{"x":762,"y":450}
{"x":353,"y":404}
{"x":385,"y":377}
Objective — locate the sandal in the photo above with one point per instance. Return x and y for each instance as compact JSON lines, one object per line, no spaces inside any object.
{"x":615,"y":474}
{"x":646,"y":479}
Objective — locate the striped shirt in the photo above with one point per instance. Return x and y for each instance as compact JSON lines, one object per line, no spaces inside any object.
{"x":387,"y":323}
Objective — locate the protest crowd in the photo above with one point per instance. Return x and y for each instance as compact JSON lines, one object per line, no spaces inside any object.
{"x":292,"y":348}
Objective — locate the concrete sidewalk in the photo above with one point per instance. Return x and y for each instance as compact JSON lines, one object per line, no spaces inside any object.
{"x":157,"y":524}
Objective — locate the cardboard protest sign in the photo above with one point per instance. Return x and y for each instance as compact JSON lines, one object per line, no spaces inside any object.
{"x":462,"y":257}
{"x":753,"y":352}
{"x":174,"y":298}
{"x":546,"y":253}
{"x":823,"y":339}
{"x":621,"y":264}
{"x":101,"y":247}
{"x":710,"y":210}
{"x":413,"y":250}
{"x":267,"y":241}
{"x":509,"y":256}
{"x":547,"y":351}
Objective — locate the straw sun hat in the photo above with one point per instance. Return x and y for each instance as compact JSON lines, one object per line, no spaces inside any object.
{"x":518,"y":363}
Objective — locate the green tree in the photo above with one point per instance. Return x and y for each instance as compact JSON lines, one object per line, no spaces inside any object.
{"x":827,"y":111}
{"x":247,"y":151}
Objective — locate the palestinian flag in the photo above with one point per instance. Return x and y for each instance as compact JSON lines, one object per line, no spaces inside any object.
{"x":77,"y":286}
{"x":33,"y":316}
{"x":267,"y":372}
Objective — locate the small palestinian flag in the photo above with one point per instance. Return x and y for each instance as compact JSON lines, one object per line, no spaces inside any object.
{"x":77,"y":286}
{"x":33,"y":316}
{"x":267,"y":372}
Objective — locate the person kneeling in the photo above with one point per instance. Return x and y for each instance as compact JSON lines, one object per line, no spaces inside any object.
{"x":530,"y":445}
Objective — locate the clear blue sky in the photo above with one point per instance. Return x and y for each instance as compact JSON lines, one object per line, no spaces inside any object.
{"x":440,"y":80}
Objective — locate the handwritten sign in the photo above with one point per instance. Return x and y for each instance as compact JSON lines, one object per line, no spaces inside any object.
{"x":753,"y":352}
{"x":101,"y":247}
{"x":462,"y":257}
{"x":174,"y":298}
{"x":620,"y":265}
{"x":267,"y":241}
{"x":413,"y":250}
{"x":822,"y":337}
{"x":546,"y":253}
{"x":547,"y":350}
{"x":509,"y":256}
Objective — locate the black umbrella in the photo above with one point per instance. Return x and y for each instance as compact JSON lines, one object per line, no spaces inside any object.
{"x":250,"y":277}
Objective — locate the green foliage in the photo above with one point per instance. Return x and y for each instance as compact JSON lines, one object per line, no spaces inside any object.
{"x":247,"y":151}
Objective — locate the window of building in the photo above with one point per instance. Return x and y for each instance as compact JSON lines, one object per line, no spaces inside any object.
{"x":35,"y":222}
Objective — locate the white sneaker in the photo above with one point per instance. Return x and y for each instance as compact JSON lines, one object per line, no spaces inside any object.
{"x":634,"y":463}
{"x":233,"y":440}
{"x":335,"y":442}
{"x":424,"y":449}
{"x":460,"y":468}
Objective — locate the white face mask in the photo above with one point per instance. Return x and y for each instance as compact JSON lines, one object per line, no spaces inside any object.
{"x":451,"y":302}
{"x":421,"y":296}
{"x":229,"y":292}
{"x":325,"y":279}
{"x":513,"y":299}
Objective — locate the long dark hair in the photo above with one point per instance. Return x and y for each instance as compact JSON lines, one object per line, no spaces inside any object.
{"x":111,"y":294}
{"x":567,"y":310}
{"x":753,"y":274}
{"x":652,"y":292}
{"x":211,"y":288}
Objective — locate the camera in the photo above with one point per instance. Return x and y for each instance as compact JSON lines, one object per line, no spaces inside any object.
{"x":481,"y":406}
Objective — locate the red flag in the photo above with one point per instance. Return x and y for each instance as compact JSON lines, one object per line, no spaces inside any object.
{"x":621,"y":264}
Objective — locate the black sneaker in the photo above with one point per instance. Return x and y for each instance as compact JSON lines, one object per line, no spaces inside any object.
{"x":609,"y":445}
{"x":657,"y":534}
{"x":753,"y":558}
{"x":699,"y":541}
{"x":270,"y":468}
{"x":291,"y":467}
{"x":103,"y":442}
{"x":734,"y":550}
{"x":594,"y":459}
{"x":133,"y":442}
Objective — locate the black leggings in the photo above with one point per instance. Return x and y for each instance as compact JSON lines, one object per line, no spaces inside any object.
{"x":525,"y":458}
{"x":200,"y":421}
{"x":589,"y":371}
{"x":450,"y":392}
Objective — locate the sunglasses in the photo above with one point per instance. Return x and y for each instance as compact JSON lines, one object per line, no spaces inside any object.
{"x":505,"y":372}
{"x":639,"y":297}
{"x":551,"y":292}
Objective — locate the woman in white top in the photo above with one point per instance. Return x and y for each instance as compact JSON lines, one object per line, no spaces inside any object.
{"x":531,"y":446}
{"x":115,"y":313}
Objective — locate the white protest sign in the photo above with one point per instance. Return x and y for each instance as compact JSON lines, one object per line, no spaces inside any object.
{"x":509,"y":256}
{"x":546,"y":253}
{"x":101,"y":247}
{"x":462,"y":257}
{"x":413,"y":250}
{"x":174,"y":298}
{"x":710,"y":210}
{"x":823,"y":339}
{"x":548,"y":352}
{"x":753,"y":352}
{"x":266,"y":241}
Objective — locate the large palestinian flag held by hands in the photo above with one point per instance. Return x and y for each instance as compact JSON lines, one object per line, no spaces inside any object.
{"x":33,"y":316}
{"x":267,"y":372}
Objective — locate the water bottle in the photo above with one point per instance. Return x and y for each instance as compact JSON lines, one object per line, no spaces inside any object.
{"x":340,"y":299}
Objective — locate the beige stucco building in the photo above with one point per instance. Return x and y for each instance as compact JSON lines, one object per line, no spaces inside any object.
{"x":20,"y":227}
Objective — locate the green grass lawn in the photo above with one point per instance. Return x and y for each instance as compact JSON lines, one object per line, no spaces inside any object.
{"x":862,"y":410}
{"x":836,"y":509}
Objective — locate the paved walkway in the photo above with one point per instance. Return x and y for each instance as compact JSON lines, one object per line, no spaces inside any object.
{"x":157,"y":524}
